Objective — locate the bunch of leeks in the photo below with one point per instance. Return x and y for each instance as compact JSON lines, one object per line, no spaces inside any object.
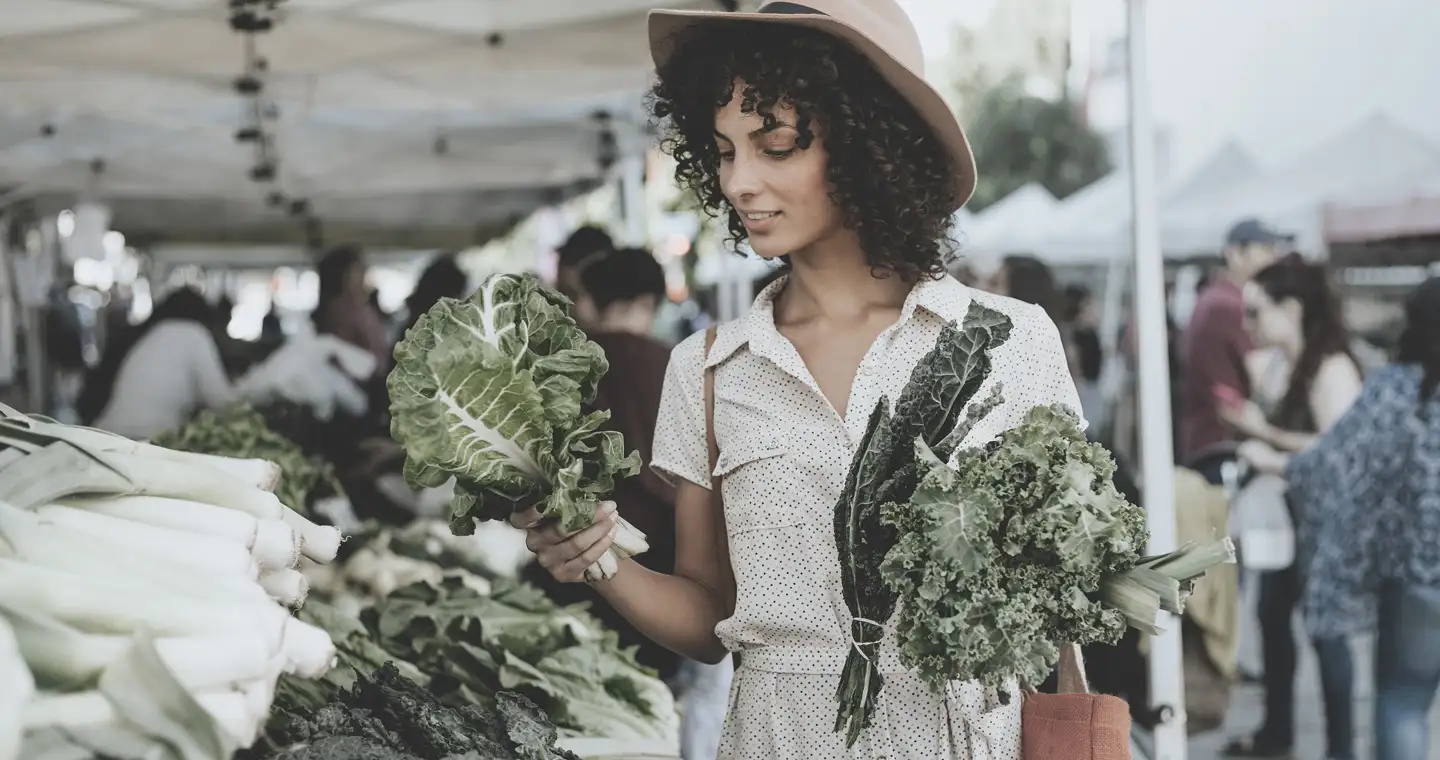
{"x":148,"y":593}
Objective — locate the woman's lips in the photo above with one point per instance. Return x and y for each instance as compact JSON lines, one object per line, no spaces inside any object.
{"x":760,"y":221}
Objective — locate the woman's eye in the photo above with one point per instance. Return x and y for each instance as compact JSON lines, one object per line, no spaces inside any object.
{"x":773,"y":153}
{"x":727,"y":156}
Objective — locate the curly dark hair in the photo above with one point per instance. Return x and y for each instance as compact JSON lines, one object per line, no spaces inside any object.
{"x":892,"y":179}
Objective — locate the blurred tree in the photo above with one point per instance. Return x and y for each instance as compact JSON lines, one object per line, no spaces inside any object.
{"x":1020,"y":138}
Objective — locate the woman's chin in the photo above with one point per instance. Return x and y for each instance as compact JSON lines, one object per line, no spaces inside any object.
{"x":768,"y":250}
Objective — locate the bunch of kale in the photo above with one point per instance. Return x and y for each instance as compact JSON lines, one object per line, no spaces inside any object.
{"x":884,"y":471}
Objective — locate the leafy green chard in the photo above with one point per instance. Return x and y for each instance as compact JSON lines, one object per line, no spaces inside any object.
{"x":884,"y":470}
{"x":488,"y":390}
{"x":1022,"y":545}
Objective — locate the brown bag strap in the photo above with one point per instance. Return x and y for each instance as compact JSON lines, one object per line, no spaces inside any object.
{"x":710,"y":415}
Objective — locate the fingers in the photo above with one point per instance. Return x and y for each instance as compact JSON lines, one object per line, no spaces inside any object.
{"x":527,"y":519}
{"x":566,"y":557}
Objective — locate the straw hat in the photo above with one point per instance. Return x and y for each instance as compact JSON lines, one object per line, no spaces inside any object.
{"x":879,"y":29}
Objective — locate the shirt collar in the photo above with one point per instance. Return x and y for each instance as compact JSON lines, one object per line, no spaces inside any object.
{"x":946,"y":298}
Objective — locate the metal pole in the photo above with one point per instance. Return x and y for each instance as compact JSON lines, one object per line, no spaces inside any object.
{"x":1167,"y":688}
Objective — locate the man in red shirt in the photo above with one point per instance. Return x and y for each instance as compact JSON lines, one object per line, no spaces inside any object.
{"x":1215,"y":346}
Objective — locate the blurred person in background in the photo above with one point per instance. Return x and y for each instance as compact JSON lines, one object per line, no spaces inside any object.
{"x":626,"y":287}
{"x":584,"y":247}
{"x":442,"y":278}
{"x":1215,"y":347}
{"x":1371,"y":524}
{"x":344,"y":308}
{"x":152,"y":378}
{"x":1030,"y":280}
{"x":1087,"y":355}
{"x":1290,"y":307}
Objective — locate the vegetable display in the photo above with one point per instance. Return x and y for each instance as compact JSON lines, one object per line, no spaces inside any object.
{"x":241,"y":431}
{"x":488,"y":391}
{"x":996,"y":554}
{"x":386,"y":716}
{"x":147,"y":592}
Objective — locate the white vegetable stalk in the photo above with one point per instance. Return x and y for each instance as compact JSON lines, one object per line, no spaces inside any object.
{"x":91,"y":708}
{"x":202,"y":553}
{"x":45,"y":544}
{"x":257,"y":472}
{"x":272,"y":543}
{"x":62,"y":657}
{"x":16,"y":688}
{"x":288,"y":587}
{"x":127,"y":605}
{"x":629,"y":541}
{"x":308,"y":650}
{"x":318,"y":542}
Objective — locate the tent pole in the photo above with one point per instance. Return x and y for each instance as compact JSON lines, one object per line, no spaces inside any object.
{"x":1167,"y":689}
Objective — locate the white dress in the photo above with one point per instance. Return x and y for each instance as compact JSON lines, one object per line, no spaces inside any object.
{"x":784,"y":454}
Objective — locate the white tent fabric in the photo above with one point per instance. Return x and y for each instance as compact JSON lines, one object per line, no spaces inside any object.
{"x":1369,"y":160}
{"x":471,"y":110}
{"x":1412,"y":211}
{"x":1003,"y":226}
{"x":1093,"y":225}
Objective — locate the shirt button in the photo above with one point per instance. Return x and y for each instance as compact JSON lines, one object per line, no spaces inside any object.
{"x":866,"y":371}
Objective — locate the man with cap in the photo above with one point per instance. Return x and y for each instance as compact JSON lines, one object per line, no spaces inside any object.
{"x":1215,"y":346}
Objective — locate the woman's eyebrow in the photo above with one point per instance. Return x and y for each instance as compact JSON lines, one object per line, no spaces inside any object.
{"x":754,"y":133}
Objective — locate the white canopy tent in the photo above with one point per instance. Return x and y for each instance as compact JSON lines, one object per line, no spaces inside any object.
{"x":1411,"y":211}
{"x":406,"y":122}
{"x":1003,"y":226}
{"x":1092,"y":226}
{"x":1368,"y":161}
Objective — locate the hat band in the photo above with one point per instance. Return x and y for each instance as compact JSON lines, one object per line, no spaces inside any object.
{"x":791,"y":8}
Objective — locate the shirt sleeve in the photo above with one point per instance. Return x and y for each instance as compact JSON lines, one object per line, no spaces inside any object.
{"x":1054,"y":383}
{"x":1221,"y":345}
{"x":680,"y":450}
{"x":212,"y":385}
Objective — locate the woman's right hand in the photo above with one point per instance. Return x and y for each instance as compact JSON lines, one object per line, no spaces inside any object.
{"x":566,"y":557}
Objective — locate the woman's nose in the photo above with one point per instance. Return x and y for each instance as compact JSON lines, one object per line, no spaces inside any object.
{"x":743,"y":179}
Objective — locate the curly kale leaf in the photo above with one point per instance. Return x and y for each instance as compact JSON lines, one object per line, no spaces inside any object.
{"x":1001,"y":556}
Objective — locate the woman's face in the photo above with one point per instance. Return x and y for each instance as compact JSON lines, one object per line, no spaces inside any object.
{"x":778,"y":189}
{"x":354,"y":281}
{"x":1271,"y":324}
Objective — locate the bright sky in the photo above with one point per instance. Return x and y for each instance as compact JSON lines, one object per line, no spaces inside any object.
{"x":1223,"y":69}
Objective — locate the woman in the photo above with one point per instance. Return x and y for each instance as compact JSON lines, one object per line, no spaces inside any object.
{"x":344,"y":308}
{"x":1291,"y":309}
{"x":811,"y":129}
{"x":1371,"y":489}
{"x":443,"y":278}
{"x":165,"y":370}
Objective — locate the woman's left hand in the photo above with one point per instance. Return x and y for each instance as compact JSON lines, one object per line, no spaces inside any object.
{"x":1263,"y":457}
{"x":1247,"y":418}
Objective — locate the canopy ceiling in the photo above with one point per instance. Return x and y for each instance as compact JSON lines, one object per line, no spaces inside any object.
{"x":401,"y":120}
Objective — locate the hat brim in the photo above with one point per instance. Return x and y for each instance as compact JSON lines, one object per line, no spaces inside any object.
{"x":666,"y":25}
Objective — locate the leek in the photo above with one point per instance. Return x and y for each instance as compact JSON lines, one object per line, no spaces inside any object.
{"x":318,"y":542}
{"x":202,"y":553}
{"x":126,"y":605}
{"x":15,"y":695}
{"x":288,"y":587}
{"x":44,"y":544}
{"x":272,"y":543}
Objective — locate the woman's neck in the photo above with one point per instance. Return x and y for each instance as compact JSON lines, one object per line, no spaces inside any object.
{"x":835,"y":282}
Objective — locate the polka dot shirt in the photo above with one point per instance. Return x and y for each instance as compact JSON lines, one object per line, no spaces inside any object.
{"x":784,"y":455}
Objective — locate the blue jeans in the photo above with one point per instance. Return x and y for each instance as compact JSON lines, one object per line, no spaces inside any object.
{"x":1407,"y":670}
{"x":1279,"y":594}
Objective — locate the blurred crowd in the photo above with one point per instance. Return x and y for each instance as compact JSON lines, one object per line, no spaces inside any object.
{"x":1322,"y":462}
